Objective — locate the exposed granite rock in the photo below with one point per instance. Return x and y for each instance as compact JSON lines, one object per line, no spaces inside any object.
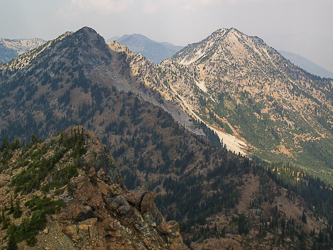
{"x":108,"y":218}
{"x":135,"y":197}
{"x":103,"y":214}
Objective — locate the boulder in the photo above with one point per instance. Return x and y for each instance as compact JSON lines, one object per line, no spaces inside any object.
{"x":149,"y":210}
{"x":134,"y":197}
{"x":120,"y":204}
{"x":75,"y":212}
{"x":147,"y":202}
{"x":115,"y":190}
{"x":168,"y":227}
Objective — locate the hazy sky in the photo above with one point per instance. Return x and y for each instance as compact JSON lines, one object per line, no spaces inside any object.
{"x":304,"y":27}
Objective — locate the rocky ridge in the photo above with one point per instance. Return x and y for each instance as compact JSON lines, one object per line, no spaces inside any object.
{"x":98,"y":212}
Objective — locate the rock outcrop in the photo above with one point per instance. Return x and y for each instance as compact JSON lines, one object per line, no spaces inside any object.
{"x":98,"y":211}
{"x":103,"y":216}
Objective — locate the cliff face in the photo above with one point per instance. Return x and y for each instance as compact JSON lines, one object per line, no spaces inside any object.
{"x":72,"y":183}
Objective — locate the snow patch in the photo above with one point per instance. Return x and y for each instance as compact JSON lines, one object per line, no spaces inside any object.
{"x":196,"y":56}
{"x":201,"y":85}
{"x":232,"y":143}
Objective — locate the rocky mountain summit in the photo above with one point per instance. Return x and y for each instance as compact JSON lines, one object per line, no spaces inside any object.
{"x":74,"y":198}
{"x":9,"y":49}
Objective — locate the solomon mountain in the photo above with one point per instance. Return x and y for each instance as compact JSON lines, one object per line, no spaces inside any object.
{"x":130,"y":104}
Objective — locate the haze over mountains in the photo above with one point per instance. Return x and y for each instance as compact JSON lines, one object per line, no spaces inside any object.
{"x":153,"y":51}
{"x":156,"y":119}
{"x":306,"y":64}
{"x":157,"y":52}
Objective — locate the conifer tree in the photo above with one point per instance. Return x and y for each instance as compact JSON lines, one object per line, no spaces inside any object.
{"x":17,"y":210}
{"x":11,"y":210}
{"x":12,"y":244}
{"x":2,"y":215}
{"x":304,"y":217}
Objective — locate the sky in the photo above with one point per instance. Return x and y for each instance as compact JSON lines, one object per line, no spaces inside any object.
{"x":303,"y":27}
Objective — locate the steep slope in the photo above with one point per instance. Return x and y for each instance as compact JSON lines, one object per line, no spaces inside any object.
{"x":9,"y":49}
{"x":241,"y":86}
{"x":306,"y":64}
{"x":72,"y":191}
{"x":257,"y":102}
{"x":153,"y":51}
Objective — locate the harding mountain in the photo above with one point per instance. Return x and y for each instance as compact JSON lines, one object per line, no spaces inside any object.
{"x":79,"y":79}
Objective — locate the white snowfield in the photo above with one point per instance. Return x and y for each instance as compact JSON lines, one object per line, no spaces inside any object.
{"x":201,"y":85}
{"x":231,"y":142}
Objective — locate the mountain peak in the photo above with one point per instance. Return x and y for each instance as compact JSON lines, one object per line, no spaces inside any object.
{"x":89,"y":35}
{"x":223,"y":32}
{"x":13,"y":48}
{"x":220,"y":41}
{"x":84,"y":46}
{"x":86,"y":30}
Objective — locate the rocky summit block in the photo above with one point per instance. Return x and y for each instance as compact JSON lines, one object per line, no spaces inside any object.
{"x":103,"y":216}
